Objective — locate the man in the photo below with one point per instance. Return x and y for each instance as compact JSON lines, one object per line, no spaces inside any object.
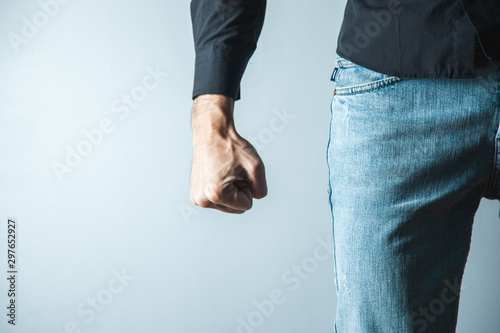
{"x":414,"y":145}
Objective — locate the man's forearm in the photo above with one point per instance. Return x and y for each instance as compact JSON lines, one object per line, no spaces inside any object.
{"x":225,"y":35}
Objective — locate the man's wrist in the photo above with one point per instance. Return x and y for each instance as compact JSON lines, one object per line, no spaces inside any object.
{"x":212,"y":115}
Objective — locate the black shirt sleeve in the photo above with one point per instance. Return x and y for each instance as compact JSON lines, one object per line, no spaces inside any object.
{"x":225,"y":36}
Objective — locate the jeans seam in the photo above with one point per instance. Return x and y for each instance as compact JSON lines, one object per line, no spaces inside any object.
{"x":494,"y":174}
{"x":330,"y":194}
{"x":330,"y":191}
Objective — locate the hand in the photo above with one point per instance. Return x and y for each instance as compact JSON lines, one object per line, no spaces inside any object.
{"x":226,"y":171}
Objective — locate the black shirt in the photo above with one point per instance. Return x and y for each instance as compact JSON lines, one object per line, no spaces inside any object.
{"x":426,"y":38}
{"x":405,"y":38}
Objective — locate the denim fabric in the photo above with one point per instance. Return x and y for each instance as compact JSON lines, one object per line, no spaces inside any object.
{"x":409,"y":161}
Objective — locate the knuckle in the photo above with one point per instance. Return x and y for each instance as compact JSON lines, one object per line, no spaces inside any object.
{"x":200,"y":200}
{"x":204,"y":203}
{"x":257,"y":168}
{"x":214,"y":195}
{"x":253,"y":169}
{"x":192,"y":197}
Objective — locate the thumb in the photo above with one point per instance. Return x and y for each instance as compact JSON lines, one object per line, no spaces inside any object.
{"x":244,"y":187}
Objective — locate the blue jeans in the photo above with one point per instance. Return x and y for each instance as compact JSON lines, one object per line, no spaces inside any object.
{"x":409,"y":161}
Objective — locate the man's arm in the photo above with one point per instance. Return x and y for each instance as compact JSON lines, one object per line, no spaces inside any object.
{"x":225,"y":36}
{"x":226,"y":171}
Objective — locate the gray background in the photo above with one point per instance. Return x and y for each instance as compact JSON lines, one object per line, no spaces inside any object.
{"x":126,"y":205}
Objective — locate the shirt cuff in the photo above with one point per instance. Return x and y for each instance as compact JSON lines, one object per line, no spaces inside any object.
{"x":219,"y":73}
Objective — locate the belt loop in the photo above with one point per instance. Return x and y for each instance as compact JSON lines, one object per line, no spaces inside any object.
{"x":334,"y":74}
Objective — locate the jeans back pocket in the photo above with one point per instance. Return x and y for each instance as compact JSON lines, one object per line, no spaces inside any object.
{"x":351,"y":78}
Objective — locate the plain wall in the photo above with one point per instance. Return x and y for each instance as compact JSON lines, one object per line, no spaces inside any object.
{"x":124,"y":210}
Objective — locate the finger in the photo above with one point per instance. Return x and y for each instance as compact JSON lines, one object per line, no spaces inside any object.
{"x":230,"y":195}
{"x":228,"y":209}
{"x":209,"y":204}
{"x":257,"y":182}
{"x":243,"y":196}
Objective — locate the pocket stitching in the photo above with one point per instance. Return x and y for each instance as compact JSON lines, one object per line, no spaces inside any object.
{"x":374,"y":86}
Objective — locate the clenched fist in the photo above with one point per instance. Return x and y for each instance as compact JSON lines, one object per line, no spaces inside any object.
{"x":227,"y":173}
